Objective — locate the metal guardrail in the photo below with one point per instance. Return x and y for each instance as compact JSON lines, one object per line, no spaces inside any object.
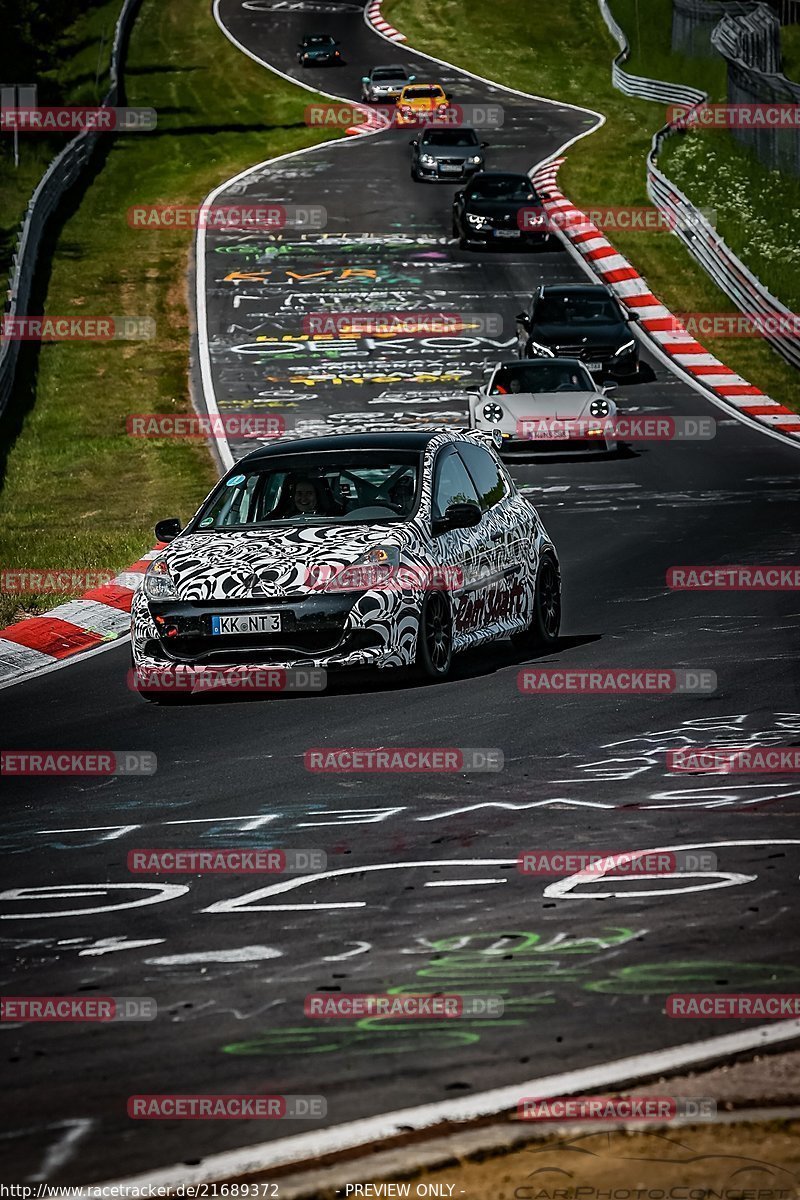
{"x":61,"y":174}
{"x":751,"y":47}
{"x":697,"y":234}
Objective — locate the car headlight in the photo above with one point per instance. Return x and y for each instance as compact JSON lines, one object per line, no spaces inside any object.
{"x":158,"y":584}
{"x":477,"y":220}
{"x":543,"y":351}
{"x":476,"y":159}
{"x":376,"y":568}
{"x":626,"y":349}
{"x":599,"y":408}
{"x":493,"y":412}
{"x":427,"y":160}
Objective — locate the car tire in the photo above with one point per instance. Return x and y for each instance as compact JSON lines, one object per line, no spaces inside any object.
{"x":463,"y":244}
{"x":545,"y":625}
{"x":435,"y":637}
{"x":415,"y":175}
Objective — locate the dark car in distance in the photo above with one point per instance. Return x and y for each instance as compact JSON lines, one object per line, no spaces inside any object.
{"x":580,"y":320}
{"x":446,"y":153}
{"x":319,"y":50}
{"x":491,"y":210}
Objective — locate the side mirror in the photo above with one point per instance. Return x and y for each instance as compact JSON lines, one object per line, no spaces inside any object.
{"x":485,"y":144}
{"x":411,"y":78}
{"x":168,"y":529}
{"x":523,"y":319}
{"x":412,"y":141}
{"x":365,"y":78}
{"x":459,"y":196}
{"x":458,"y":516}
{"x":608,"y":387}
{"x":473,"y":391}
{"x":633,"y":316}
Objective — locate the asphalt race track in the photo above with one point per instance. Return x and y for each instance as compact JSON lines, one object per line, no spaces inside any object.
{"x":427,"y":894}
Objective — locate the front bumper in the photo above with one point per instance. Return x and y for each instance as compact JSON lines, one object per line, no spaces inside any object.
{"x":320,"y":629}
{"x":437,"y":171}
{"x":504,"y":236}
{"x":575,"y":444}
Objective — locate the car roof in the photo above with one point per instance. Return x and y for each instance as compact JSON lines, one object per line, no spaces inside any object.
{"x":576,"y":289}
{"x":541,"y":362}
{"x":407,"y":439}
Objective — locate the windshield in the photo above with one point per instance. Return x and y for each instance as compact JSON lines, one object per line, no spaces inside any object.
{"x":386,"y":74}
{"x":502,"y":187}
{"x":450,"y":137}
{"x":423,"y":93}
{"x":330,"y":489}
{"x":320,"y":40}
{"x":550,"y":376}
{"x":577,"y":308}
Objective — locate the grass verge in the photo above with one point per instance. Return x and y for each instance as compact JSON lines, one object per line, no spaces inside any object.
{"x":565,"y":51}
{"x":78,"y":492}
{"x":81,"y":56}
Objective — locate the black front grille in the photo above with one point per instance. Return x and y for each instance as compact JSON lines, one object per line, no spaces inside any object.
{"x":585,"y":352}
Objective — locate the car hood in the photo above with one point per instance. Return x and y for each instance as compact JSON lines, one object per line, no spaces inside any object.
{"x":461,"y":152}
{"x":498,"y":208}
{"x":568,"y":405}
{"x":572,"y":335}
{"x":239,"y":564}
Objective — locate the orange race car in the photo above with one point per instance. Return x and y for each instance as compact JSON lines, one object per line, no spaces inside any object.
{"x":419,"y":103}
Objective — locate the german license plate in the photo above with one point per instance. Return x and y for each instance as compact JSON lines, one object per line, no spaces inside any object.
{"x":452,"y":168}
{"x":507,"y":233}
{"x":246,"y":623}
{"x":594,"y":366}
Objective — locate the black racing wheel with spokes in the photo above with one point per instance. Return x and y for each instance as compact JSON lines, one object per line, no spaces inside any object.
{"x":435,"y":637}
{"x":546,"y":620}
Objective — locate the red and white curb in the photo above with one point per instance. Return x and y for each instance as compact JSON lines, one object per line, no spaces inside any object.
{"x":375,"y":19}
{"x":374,"y":123}
{"x":98,"y":617}
{"x":655,"y":319}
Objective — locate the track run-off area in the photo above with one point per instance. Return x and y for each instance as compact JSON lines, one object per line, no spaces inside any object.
{"x":421,"y":890}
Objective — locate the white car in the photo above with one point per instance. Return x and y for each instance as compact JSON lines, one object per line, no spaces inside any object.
{"x":545,"y":404}
{"x":394,"y":549}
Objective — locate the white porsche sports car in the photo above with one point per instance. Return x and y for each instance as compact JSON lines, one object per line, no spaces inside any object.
{"x":393,"y":549}
{"x":545,"y":404}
